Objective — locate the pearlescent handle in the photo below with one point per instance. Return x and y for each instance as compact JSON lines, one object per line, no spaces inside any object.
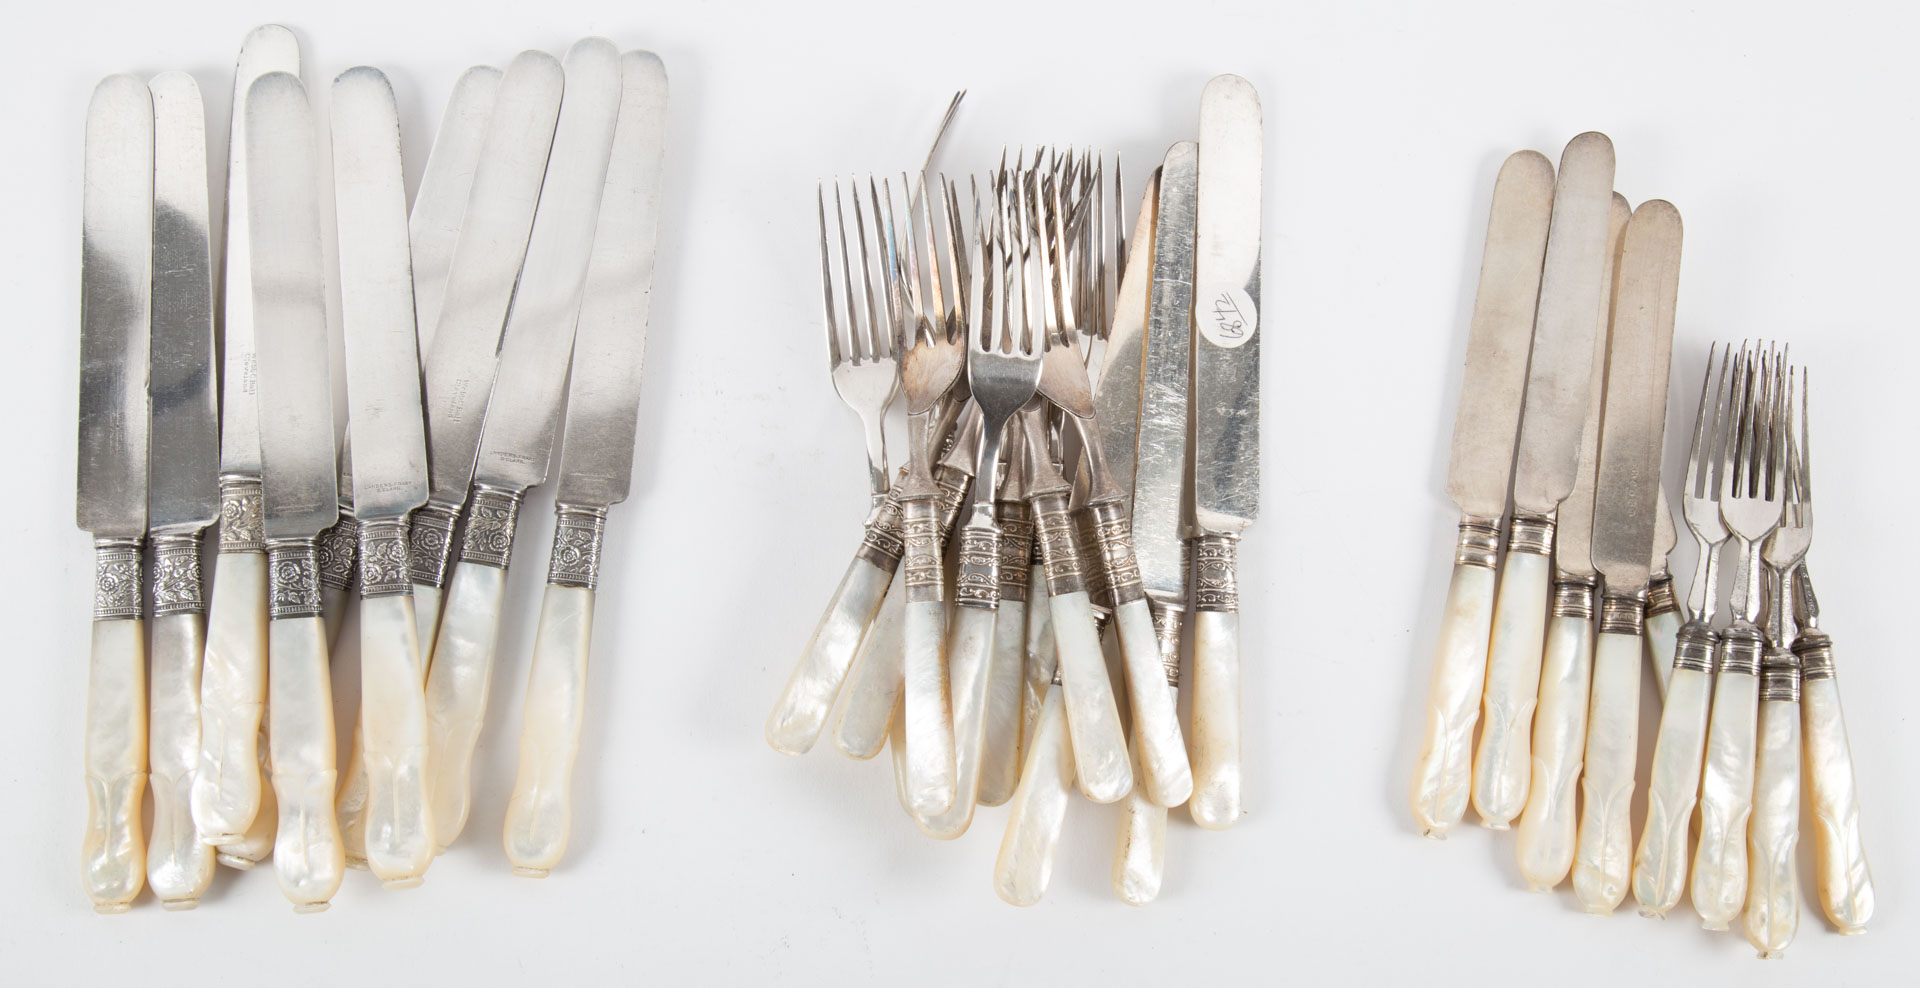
{"x":1773,"y":895}
{"x":1038,"y":808}
{"x":1660,"y":863}
{"x":1603,"y":859}
{"x":801,"y":711}
{"x":1000,"y":757}
{"x":1549,"y":826}
{"x":969,"y":664}
{"x":1041,"y":660}
{"x":427,"y":599}
{"x":927,"y":711}
{"x":179,"y":866}
{"x":334,"y":602}
{"x":393,"y":734}
{"x":233,"y":696}
{"x":1726,"y":800}
{"x":458,"y":682}
{"x":1840,"y":856}
{"x":1161,"y":749}
{"x":1140,"y":853}
{"x":1442,"y":776}
{"x":112,"y":854}
{"x":351,"y":803}
{"x":1093,"y":718}
{"x":307,"y":856}
{"x":873,"y":684}
{"x":1663,"y":632}
{"x":540,"y":812}
{"x":256,"y":845}
{"x":1504,"y":764}
{"x":1215,"y":804}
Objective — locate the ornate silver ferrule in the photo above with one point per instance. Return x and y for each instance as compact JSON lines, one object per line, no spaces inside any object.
{"x":1479,"y":543}
{"x":977,"y":579}
{"x":1113,"y":533}
{"x":1016,"y":548}
{"x":293,"y":579}
{"x":337,"y":547}
{"x":1780,"y":676}
{"x":1694,"y":647}
{"x":1660,"y":596}
{"x":1623,"y":612}
{"x":1815,"y":650}
{"x":384,"y":570}
{"x":880,"y":542}
{"x":116,"y":580}
{"x":1531,"y":533}
{"x":1216,"y":584}
{"x":177,"y":587}
{"x":922,"y":540}
{"x":1573,"y":596}
{"x":1086,"y":538}
{"x":1058,"y":550}
{"x":243,"y":515}
{"x":953,"y":485}
{"x":492,"y":513}
{"x":1740,"y":649}
{"x":1166,"y":634}
{"x":430,"y":543}
{"x":574,"y":560}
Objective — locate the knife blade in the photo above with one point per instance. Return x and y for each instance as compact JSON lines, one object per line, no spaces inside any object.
{"x":297,"y":477}
{"x":116,"y":269}
{"x":1160,"y":491}
{"x":521,"y":416}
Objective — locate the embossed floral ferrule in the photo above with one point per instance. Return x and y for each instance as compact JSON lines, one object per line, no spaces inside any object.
{"x":977,"y":582}
{"x":574,"y":560}
{"x":1058,"y":549}
{"x":1016,"y":548}
{"x":1113,"y":534}
{"x":880,"y":541}
{"x":1216,"y":581}
{"x":385,"y":569}
{"x":492,"y":513}
{"x":293,"y":579}
{"x":243,"y":515}
{"x":116,"y":580}
{"x":177,"y":585}
{"x":337,"y":549}
{"x":430,"y":543}
{"x":922,"y":540}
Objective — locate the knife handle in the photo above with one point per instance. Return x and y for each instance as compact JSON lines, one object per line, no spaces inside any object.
{"x":1664,"y":618}
{"x":1442,"y":775}
{"x":1840,"y":856}
{"x":1038,"y":808}
{"x":179,"y":866}
{"x":1660,"y":863}
{"x":112,"y":855}
{"x":429,"y":554}
{"x":393,"y":711}
{"x":458,"y":683}
{"x":1140,"y":853}
{"x":1603,"y":859}
{"x":339,"y":548}
{"x":1161,"y":748}
{"x":227,"y":789}
{"x":307,"y":856}
{"x":1504,"y":763}
{"x":1719,"y":883}
{"x":1549,"y":826}
{"x":873,"y":684}
{"x":1215,"y":804}
{"x":969,"y":664}
{"x":897,"y":757}
{"x":1773,"y":894}
{"x":256,"y":845}
{"x":350,"y":805}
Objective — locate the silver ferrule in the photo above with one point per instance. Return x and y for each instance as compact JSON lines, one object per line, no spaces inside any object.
{"x":1660,"y":596}
{"x":1623,"y":612}
{"x":1740,"y":649}
{"x":880,"y":542}
{"x":921,"y":539}
{"x":977,"y":579}
{"x":384,"y":569}
{"x":492,"y":513}
{"x":1016,"y":548}
{"x":1694,"y":647}
{"x":1166,"y":634}
{"x":574,"y":559}
{"x":293,"y":579}
{"x":1086,"y":537}
{"x":1574,"y":596}
{"x":243,"y":514}
{"x":1113,"y":533}
{"x":1815,"y":650}
{"x":1780,"y":676}
{"x":1216,"y":581}
{"x":1058,"y":550}
{"x":1479,"y":543}
{"x":953,"y":485}
{"x":430,"y":543}
{"x":337,"y":547}
{"x":177,"y":587}
{"x":1531,"y":533}
{"x":116,"y":580}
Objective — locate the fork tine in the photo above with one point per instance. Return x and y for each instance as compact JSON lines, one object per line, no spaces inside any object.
{"x":1805,"y":448}
{"x":902,"y":281}
{"x":1782,"y":416}
{"x":885,"y":245}
{"x":826,"y":275}
{"x":1735,"y":460}
{"x":1702,"y":426}
{"x":851,"y":333}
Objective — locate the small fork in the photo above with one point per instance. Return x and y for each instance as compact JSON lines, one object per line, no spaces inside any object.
{"x":1700,"y":504}
{"x":860,"y":348}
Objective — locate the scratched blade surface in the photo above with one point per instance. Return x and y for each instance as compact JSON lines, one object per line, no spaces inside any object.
{"x":1116,"y":394}
{"x":268,"y":48}
{"x":1498,"y":338}
{"x":1160,"y":493}
{"x":389,"y":472}
{"x":1665,"y":536}
{"x":116,"y":264}
{"x":459,"y":364}
{"x":1634,"y":431}
{"x":1559,"y":375}
{"x":603,"y":399}
{"x":445,"y":184}
{"x":1573,"y":536}
{"x":1226,"y":310}
{"x":183,"y":494}
{"x":289,"y":309}
{"x":525,"y":408}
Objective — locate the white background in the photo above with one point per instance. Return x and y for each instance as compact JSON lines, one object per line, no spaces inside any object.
{"x":1784,"y":134}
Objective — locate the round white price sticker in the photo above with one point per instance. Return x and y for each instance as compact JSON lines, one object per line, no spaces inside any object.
{"x":1226,"y":316}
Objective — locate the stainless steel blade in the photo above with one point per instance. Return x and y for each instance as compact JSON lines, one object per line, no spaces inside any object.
{"x":1634,"y":430}
{"x":1560,"y":372}
{"x":183,"y":494}
{"x":116,"y":278}
{"x":1226,"y":310}
{"x":596,"y":455}
{"x":1499,"y":337}
{"x":1573,"y":537}
{"x":268,"y":48}
{"x":1160,"y":493}
{"x":389,"y":472}
{"x":525,"y":408}
{"x":441,"y":203}
{"x":289,"y":309}
{"x":1116,"y":395}
{"x":459,"y":365}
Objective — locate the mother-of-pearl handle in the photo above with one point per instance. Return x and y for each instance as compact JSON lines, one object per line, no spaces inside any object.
{"x":1442,"y":775}
{"x":1603,"y":858}
{"x":1663,"y":632}
{"x":1504,"y":763}
{"x":307,"y":856}
{"x":801,"y":710}
{"x":427,"y":601}
{"x":1660,"y":863}
{"x":927,"y":709}
{"x":1845,"y":883}
{"x":1160,"y":748}
{"x":179,"y":865}
{"x":1719,"y":884}
{"x":1773,"y":894}
{"x":1093,"y":717}
{"x":1000,"y":757}
{"x":540,"y":812}
{"x":1038,"y":808}
{"x":398,"y":835}
{"x":1215,"y":803}
{"x":458,"y":681}
{"x":350,"y":804}
{"x":1042,"y":657}
{"x":233,"y":694}
{"x":256,"y":845}
{"x":873,"y":684}
{"x":969,"y":663}
{"x":1140,"y":852}
{"x":112,"y":854}
{"x":1549,"y":826}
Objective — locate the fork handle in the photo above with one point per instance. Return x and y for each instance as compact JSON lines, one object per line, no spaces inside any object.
{"x":1503,"y":765}
{"x":1603,"y":858}
{"x":873,"y":684}
{"x":1840,"y":856}
{"x":1140,"y":852}
{"x":1719,"y":883}
{"x":1038,"y":808}
{"x":1660,"y":862}
{"x":1773,"y":897}
{"x":801,"y":710}
{"x":1162,"y":749}
{"x":1549,"y":826}
{"x":1442,"y":775}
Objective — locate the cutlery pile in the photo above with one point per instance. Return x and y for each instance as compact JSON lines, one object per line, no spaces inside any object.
{"x":1083,"y":442}
{"x":528,"y":250}
{"x":1558,"y":709}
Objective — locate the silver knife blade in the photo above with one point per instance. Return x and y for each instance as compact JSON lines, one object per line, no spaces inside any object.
{"x":268,"y":48}
{"x":441,"y":203}
{"x":1573,"y":536}
{"x":289,"y":309}
{"x":116,"y":278}
{"x":183,"y":494}
{"x":528,"y":388}
{"x":460,"y":363}
{"x":1633,"y":433}
{"x":1160,"y":493}
{"x":1116,"y":395}
{"x":376,"y":298}
{"x":1559,"y":374}
{"x":1226,"y":310}
{"x":596,"y":454}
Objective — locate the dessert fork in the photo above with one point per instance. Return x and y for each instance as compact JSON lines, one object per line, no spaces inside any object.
{"x":1773,"y":834}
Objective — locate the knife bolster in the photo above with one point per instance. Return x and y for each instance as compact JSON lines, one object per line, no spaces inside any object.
{"x":338,"y":546}
{"x":578,"y":534}
{"x":293,"y":579}
{"x":880,"y":542}
{"x":430,"y":544}
{"x":1693,"y":647}
{"x":1479,"y":543}
{"x":977,"y":582}
{"x":1660,"y":596}
{"x":242,"y":515}
{"x":492,"y":513}
{"x":116,"y":580}
{"x":1531,"y":533}
{"x":1573,"y":596}
{"x":1216,"y":581}
{"x":1167,"y":619}
{"x":384,"y":570}
{"x":1054,"y":530}
{"x":177,"y":587}
{"x":1623,"y":612}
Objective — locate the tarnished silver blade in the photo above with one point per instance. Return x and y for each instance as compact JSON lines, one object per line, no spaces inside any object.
{"x":1116,"y":395}
{"x":1160,"y":493}
{"x":531,"y":381}
{"x":1559,"y":373}
{"x":183,"y":491}
{"x":1498,"y":338}
{"x":596,"y":457}
{"x":116,"y":268}
{"x":389,"y":472}
{"x":1226,"y":310}
{"x":441,"y":202}
{"x":459,"y":365}
{"x":268,"y":48}
{"x":1573,"y":537}
{"x":1634,"y":431}
{"x":289,"y":309}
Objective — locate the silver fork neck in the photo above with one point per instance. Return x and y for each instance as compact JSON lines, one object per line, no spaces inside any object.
{"x":1748,"y":579}
{"x":1701,"y":595}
